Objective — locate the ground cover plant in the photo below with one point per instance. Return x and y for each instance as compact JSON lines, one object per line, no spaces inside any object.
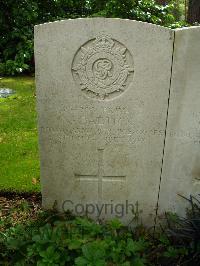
{"x":19,"y":158}
{"x":30,"y":236}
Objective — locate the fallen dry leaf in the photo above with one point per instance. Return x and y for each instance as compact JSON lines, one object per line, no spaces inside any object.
{"x":34,"y":181}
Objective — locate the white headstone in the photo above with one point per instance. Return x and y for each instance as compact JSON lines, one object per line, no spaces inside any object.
{"x":102,"y":91}
{"x":181,"y":168}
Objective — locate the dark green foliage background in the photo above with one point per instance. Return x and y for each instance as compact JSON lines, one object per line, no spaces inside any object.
{"x":17,"y":20}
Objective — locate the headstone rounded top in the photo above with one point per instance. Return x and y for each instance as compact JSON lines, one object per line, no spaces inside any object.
{"x":107,"y":20}
{"x":192,"y":28}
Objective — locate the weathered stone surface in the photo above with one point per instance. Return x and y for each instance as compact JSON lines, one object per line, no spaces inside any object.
{"x":102,"y":92}
{"x":181,"y":168}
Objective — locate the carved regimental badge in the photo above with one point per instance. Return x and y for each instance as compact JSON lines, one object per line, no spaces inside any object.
{"x":103,"y":68}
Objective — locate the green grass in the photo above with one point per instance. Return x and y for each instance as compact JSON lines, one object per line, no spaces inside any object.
{"x":19,"y":159}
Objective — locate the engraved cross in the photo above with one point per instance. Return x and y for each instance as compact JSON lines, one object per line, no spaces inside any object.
{"x":100,"y":177}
